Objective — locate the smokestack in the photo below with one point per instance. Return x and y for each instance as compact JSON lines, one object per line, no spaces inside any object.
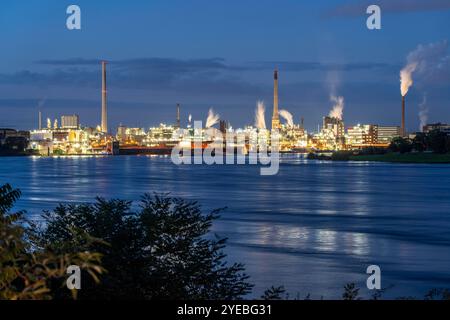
{"x":275,"y":117}
{"x":403,"y":130}
{"x":178,"y":115}
{"x":40,"y":120}
{"x":104,"y":110}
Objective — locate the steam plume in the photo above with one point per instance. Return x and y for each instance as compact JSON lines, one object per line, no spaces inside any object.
{"x":423,"y":113}
{"x":213,"y":118}
{"x":286,"y":115}
{"x":429,"y":61}
{"x":190,"y":118}
{"x":41,"y":103}
{"x":260,"y":121}
{"x":338,"y":107}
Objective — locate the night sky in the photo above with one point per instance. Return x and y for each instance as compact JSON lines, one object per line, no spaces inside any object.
{"x":220,"y":54}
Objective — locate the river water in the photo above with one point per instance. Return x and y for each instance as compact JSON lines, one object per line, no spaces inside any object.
{"x":313,"y":227}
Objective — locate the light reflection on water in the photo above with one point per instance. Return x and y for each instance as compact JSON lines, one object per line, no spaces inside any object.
{"x":313,"y":227}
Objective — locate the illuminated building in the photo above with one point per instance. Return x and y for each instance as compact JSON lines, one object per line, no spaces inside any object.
{"x":104,"y":126}
{"x":335,"y":125}
{"x":442,"y":127}
{"x":332,"y":135}
{"x":70,"y":122}
{"x":275,"y":117}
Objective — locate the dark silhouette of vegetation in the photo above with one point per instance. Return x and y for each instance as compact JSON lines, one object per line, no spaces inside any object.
{"x":26,"y":270}
{"x":315,"y":156}
{"x":14,"y":146}
{"x":160,"y":250}
{"x":433,"y":141}
{"x":341,"y":155}
{"x":402,"y":145}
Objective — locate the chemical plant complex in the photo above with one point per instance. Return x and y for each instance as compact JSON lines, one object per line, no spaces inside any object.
{"x":66,"y":136}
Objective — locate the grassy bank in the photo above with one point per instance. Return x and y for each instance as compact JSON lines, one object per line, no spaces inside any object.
{"x":405,"y":157}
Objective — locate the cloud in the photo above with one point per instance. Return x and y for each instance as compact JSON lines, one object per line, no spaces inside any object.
{"x":141,"y":73}
{"x":70,"y":62}
{"x":366,"y":102}
{"x":319,"y":66}
{"x":72,"y":76}
{"x":429,"y":64}
{"x":354,"y":9}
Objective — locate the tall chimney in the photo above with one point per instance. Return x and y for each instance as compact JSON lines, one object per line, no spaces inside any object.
{"x":403,"y":130}
{"x":275,"y":116}
{"x":104,"y":110}
{"x":178,"y":115}
{"x":40,"y":120}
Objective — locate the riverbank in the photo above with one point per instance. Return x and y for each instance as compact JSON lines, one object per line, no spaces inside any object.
{"x":419,"y":157}
{"x":404,"y":157}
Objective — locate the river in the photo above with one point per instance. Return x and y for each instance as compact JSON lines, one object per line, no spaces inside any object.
{"x":313,"y":227}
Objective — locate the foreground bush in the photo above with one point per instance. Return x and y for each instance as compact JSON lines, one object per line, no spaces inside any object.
{"x":158,"y":250}
{"x":26,"y":271}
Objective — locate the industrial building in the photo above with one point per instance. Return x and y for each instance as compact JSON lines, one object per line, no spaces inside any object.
{"x":387,"y":133}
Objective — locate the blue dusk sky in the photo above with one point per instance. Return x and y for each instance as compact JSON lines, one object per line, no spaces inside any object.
{"x":220,"y":54}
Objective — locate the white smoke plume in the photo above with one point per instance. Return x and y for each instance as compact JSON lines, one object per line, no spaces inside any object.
{"x":423,"y":112}
{"x":428,"y":61}
{"x":286,"y":115}
{"x":190,"y":118}
{"x":260,"y":121}
{"x":338,"y":107}
{"x":213,"y":118}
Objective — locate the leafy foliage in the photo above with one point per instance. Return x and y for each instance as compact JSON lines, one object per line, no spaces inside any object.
{"x":160,"y":250}
{"x":438,"y":142}
{"x":420,"y":142}
{"x":438,"y":294}
{"x":402,"y":145}
{"x":435,"y":141}
{"x":25,"y":271}
{"x":351,"y":292}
